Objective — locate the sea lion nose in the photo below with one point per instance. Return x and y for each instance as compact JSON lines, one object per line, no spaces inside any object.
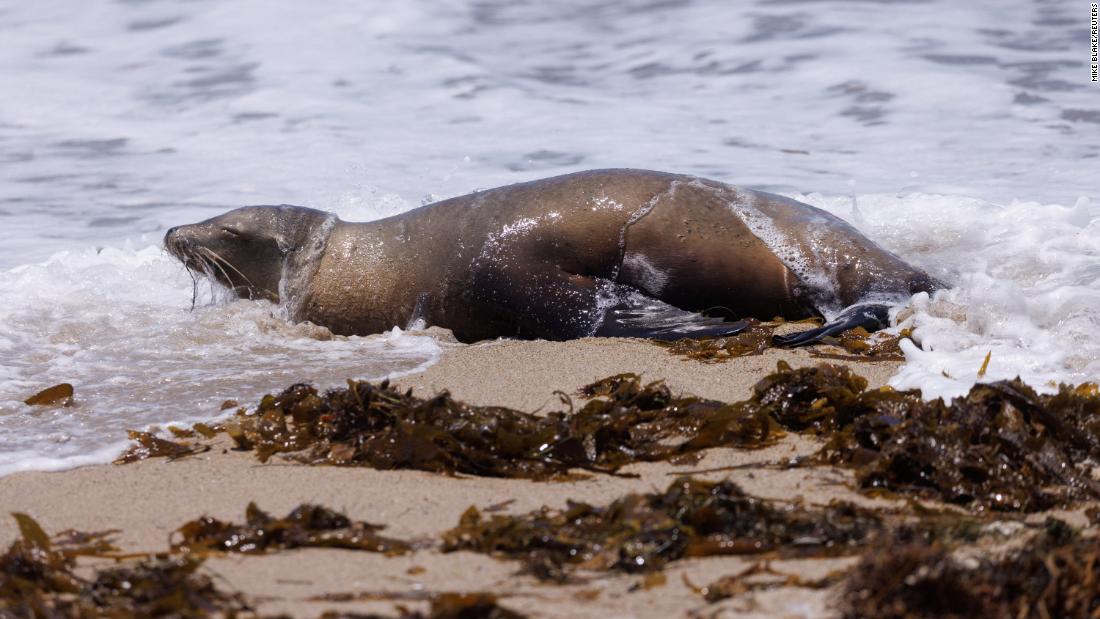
{"x":172,"y":239}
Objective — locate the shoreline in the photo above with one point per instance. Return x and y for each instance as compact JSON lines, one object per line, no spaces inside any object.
{"x":148,"y":500}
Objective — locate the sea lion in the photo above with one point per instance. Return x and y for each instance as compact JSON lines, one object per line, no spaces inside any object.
{"x":597,"y":253}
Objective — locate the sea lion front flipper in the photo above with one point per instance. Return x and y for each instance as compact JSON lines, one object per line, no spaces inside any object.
{"x":870,"y":316}
{"x":646,"y":317}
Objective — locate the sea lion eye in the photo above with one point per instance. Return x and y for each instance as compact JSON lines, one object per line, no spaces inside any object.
{"x":231,"y":231}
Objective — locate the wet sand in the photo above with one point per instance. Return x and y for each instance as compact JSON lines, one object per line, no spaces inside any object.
{"x":149,"y":499}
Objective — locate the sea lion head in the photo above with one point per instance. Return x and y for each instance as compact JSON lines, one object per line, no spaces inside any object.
{"x":247,"y":249}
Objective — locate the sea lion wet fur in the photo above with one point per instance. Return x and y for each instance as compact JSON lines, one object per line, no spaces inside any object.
{"x":623,"y":252}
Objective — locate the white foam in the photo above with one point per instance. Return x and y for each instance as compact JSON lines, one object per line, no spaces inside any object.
{"x":116,"y":325}
{"x":1026,"y":289}
{"x":498,"y":244}
{"x":638,"y":268}
{"x":800,"y":257}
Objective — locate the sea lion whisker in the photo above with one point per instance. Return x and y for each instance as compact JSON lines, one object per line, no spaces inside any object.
{"x":194,"y":289}
{"x":171,"y":249}
{"x":207,"y":266}
{"x":215,"y":263}
{"x":218,"y":262}
{"x":229,"y":264}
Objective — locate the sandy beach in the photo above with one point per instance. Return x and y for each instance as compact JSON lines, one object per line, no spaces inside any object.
{"x":147,"y":500}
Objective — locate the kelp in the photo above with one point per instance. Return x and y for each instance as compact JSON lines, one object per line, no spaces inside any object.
{"x":467,"y":606}
{"x":749,"y":580}
{"x":163,"y":586}
{"x":819,"y":399}
{"x":643,"y":532}
{"x":476,"y":605}
{"x":858,"y":344}
{"x":58,"y":394}
{"x":381,"y":427}
{"x":1055,"y":575}
{"x":32,"y":570}
{"x":149,"y":445}
{"x":38,"y":579}
{"x":864,"y":346}
{"x":913,"y":524}
{"x":305,"y":526}
{"x":751,"y":342}
{"x":1001,"y":447}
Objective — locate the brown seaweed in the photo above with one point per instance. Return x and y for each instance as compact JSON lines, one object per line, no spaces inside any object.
{"x":38,"y":579}
{"x":750,"y":342}
{"x":863,"y":346}
{"x":916,"y":523}
{"x":819,"y":399}
{"x":748,"y":580}
{"x":643,"y":532}
{"x":159,"y":587}
{"x":179,"y":432}
{"x":447,"y":605}
{"x":858,"y":344}
{"x":1056,"y":575}
{"x":305,"y":526}
{"x":207,"y":430}
{"x":58,"y":394}
{"x":149,"y":445}
{"x":1001,"y":447}
{"x":468,"y":606}
{"x":32,"y":570}
{"x":381,"y":427}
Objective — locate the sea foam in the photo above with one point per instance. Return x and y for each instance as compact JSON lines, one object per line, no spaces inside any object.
{"x":118,"y":325}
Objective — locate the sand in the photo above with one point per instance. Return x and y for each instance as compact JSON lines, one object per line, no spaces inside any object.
{"x":149,"y":499}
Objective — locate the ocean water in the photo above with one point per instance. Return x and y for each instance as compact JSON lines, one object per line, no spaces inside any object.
{"x":962,"y":136}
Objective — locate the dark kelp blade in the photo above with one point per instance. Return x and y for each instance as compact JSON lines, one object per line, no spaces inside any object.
{"x":32,"y":532}
{"x":626,"y":421}
{"x":748,"y":580}
{"x":622,"y":385}
{"x":467,"y":605}
{"x":305,"y":526}
{"x":39,"y":579}
{"x":857,"y":344}
{"x":643,"y":532}
{"x":446,"y":605}
{"x":1001,"y":447}
{"x":57,"y":394}
{"x":30,"y":570}
{"x":753,"y":341}
{"x":206,"y":430}
{"x":149,"y":445}
{"x":1055,"y":575}
{"x":160,"y":587}
{"x":85,"y":544}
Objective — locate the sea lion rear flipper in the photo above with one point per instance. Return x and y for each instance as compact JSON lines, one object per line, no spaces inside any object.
{"x":646,"y":317}
{"x":871,"y":316}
